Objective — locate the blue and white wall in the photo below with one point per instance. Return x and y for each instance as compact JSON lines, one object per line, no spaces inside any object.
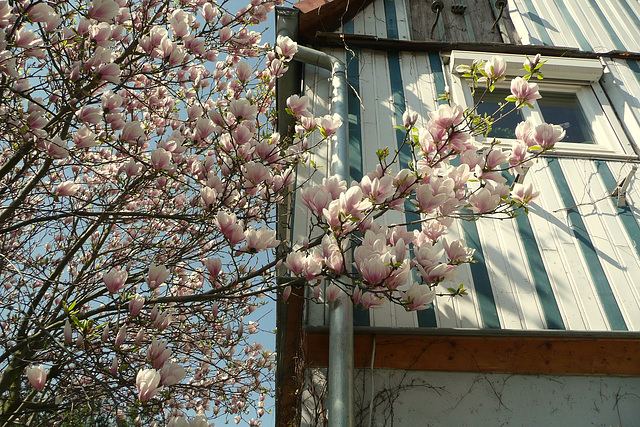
{"x":574,"y":262}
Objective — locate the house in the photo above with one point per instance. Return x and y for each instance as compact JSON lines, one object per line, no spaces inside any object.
{"x":549,"y":331}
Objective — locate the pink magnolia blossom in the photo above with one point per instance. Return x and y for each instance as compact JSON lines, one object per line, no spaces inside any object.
{"x":208,"y":196}
{"x":104,"y":337}
{"x":213,"y":265}
{"x":161,"y":159}
{"x":66,"y":188}
{"x":524,"y":91}
{"x":495,"y":67}
{"x":286,"y":47}
{"x":100,"y":33}
{"x":103,"y":10}
{"x":329,"y":124}
{"x":84,"y":138}
{"x":158,"y":353}
{"x":429,"y":199}
{"x":417,"y":297}
{"x":147,"y":384}
{"x":110,"y":73}
{"x":115,"y":280}
{"x":27,"y":39}
{"x":483,"y":201}
{"x":57,"y":148}
{"x":286,"y":293}
{"x":37,"y":376}
{"x":178,"y":421}
{"x":299,"y":105}
{"x":243,"y":71}
{"x":121,"y":336}
{"x":457,"y":251}
{"x":172,"y":373}
{"x":204,"y":127}
{"x":90,"y":114}
{"x":332,"y":292}
{"x":115,"y":364}
{"x":496,"y":158}
{"x":163,"y":320}
{"x":132,"y":168}
{"x":136,"y":304}
{"x":67,"y":332}
{"x":524,"y":193}
{"x":242,"y":109}
{"x":518,"y":155}
{"x":132,"y":132}
{"x":546,"y":135}
{"x":157,"y":275}
{"x":230,"y":227}
{"x":261,"y":239}
{"x":446,"y":116}
{"x":209,"y":12}
{"x":295,"y":262}
{"x":315,"y":198}
{"x":42,"y":12}
{"x":179,"y":22}
{"x":367,"y":299}
{"x":409,"y":118}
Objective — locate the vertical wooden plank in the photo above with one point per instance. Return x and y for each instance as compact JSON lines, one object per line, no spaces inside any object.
{"x":585,"y":243}
{"x":587,"y":187}
{"x":459,"y":312}
{"x":317,"y":88}
{"x":500,"y":283}
{"x":510,"y":234}
{"x":555,"y":25}
{"x":571,"y":285}
{"x":403,"y":22}
{"x":380,"y":21}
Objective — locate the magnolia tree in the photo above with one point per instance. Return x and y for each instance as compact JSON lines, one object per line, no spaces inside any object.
{"x":449,"y":176}
{"x":139,"y":181}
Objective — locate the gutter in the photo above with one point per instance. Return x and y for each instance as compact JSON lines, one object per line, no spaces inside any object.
{"x":340,"y":372}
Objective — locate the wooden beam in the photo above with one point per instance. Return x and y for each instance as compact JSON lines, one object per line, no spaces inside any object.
{"x":395,"y":45}
{"x":506,"y":354}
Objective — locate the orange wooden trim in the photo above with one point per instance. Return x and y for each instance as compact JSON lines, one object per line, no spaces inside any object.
{"x":325,"y":15}
{"x":509,"y":354}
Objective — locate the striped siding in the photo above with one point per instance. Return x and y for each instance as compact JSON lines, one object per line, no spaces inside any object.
{"x":317,"y":87}
{"x":553,"y":269}
{"x":561,"y":267}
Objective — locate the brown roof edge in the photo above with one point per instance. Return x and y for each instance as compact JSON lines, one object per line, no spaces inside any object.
{"x":325,"y":15}
{"x":384,"y":44}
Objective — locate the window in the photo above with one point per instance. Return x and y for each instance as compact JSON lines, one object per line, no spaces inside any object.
{"x":571,"y":98}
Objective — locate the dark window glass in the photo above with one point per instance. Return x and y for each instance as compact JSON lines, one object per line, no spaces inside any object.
{"x":564,"y":109}
{"x":504,"y":125}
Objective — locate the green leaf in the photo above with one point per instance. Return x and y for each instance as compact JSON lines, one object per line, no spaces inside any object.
{"x":382,"y":153}
{"x":511,"y":98}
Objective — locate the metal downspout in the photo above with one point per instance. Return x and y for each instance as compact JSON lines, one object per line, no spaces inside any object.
{"x":340,"y":375}
{"x":340,"y":372}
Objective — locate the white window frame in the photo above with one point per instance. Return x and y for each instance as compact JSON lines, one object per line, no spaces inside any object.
{"x":561,"y":75}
